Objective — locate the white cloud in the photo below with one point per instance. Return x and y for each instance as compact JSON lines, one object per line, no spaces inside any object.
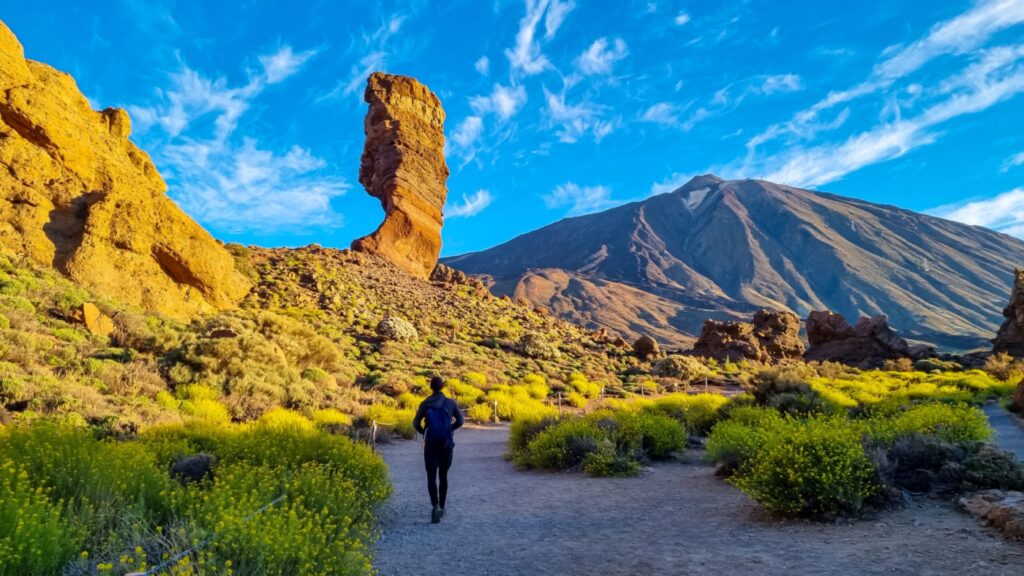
{"x":556,"y":14}
{"x":579,"y":199}
{"x":372,"y":60}
{"x":682,"y":18}
{"x":283,"y":63}
{"x":1004,"y":212}
{"x":242,"y":187}
{"x":960,"y":35}
{"x":504,"y":101}
{"x":600,"y":57}
{"x":471,"y":205}
{"x":663,"y":113}
{"x":1013,"y":161}
{"x":526,"y":56}
{"x":228,"y":181}
{"x":781,"y":83}
{"x":997,"y":76}
{"x":573,"y":121}
{"x":483,"y":65}
{"x":468,"y":132}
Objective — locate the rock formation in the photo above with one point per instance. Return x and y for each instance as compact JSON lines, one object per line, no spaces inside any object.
{"x":77,"y":195}
{"x":1001,"y":510}
{"x":403,"y":165}
{"x":1010,"y":338}
{"x":867,"y":344}
{"x":771,"y":336}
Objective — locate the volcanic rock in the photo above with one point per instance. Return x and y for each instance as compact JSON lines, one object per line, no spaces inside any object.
{"x":78,"y":195}
{"x":771,"y":336}
{"x":96,"y":322}
{"x":403,"y":165}
{"x":1002,"y":510}
{"x":1010,"y":338}
{"x":646,"y":347}
{"x":867,"y":344}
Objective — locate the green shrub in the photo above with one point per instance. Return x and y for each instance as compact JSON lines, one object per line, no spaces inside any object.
{"x":811,"y":468}
{"x":654,"y":434}
{"x":951,"y":423}
{"x":562,"y":445}
{"x":607,"y":462}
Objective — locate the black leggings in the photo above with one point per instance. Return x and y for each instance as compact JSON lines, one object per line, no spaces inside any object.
{"x":438,"y":459}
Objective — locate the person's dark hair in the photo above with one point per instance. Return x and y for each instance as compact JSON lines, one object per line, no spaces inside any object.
{"x":436,"y":383}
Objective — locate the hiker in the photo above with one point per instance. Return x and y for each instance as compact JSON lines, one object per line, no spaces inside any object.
{"x":442,"y":417}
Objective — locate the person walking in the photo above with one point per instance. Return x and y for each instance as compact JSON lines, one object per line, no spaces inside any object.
{"x":437,"y":418}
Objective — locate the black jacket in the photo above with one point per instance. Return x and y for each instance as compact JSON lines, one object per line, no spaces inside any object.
{"x":433,"y":401}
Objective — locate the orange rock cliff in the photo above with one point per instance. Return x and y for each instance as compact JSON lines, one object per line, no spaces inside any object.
{"x":78,"y":195}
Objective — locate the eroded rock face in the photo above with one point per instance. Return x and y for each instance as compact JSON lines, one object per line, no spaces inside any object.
{"x":867,"y":344}
{"x":1010,"y":338}
{"x":403,"y":165}
{"x":771,"y":336}
{"x":77,"y":195}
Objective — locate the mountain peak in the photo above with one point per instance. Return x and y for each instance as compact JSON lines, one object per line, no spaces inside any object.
{"x":698,"y":182}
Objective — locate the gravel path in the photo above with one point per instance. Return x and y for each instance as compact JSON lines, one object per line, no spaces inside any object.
{"x":1009,"y":434}
{"x":677,"y":518}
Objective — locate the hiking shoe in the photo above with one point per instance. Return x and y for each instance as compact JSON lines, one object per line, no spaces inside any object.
{"x":435,"y":515}
{"x":442,"y":512}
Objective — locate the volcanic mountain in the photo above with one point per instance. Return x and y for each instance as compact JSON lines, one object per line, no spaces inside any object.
{"x":723,"y":249}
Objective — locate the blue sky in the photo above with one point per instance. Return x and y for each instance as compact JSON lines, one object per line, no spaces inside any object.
{"x":253,"y":111}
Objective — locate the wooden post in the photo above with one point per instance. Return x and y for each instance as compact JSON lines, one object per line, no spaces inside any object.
{"x":373,"y":435}
{"x":496,"y":419}
{"x":705,"y":383}
{"x":559,"y":402}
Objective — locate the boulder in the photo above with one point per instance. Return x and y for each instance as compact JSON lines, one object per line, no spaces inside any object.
{"x":78,"y":195}
{"x":193,"y":468}
{"x":444,"y":274}
{"x":867,"y":344}
{"x":397,"y":329}
{"x":646,"y":347}
{"x":770,"y":336}
{"x":1002,"y":510}
{"x":95,"y":321}
{"x":403,"y":166}
{"x":1017,"y":404}
{"x":1010,"y":338}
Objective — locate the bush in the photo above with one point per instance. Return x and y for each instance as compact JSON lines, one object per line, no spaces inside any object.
{"x":927,"y":464}
{"x":563,"y":445}
{"x":654,"y":434}
{"x":607,"y":462}
{"x":810,"y":469}
{"x":480,"y":412}
{"x":950,"y":423}
{"x":681,"y":367}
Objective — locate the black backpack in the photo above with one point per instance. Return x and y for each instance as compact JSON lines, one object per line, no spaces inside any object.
{"x":439,"y":425}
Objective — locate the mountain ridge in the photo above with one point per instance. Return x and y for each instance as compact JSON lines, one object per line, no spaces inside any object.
{"x":721,"y":249}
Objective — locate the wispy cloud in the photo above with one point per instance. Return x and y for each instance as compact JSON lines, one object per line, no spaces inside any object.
{"x":995,"y":77}
{"x":503,"y":101}
{"x":600,"y":57}
{"x":664,"y":113}
{"x":483,"y":65}
{"x":374,"y":57}
{"x":226,"y":179}
{"x":526,"y":56}
{"x":1004,"y":212}
{"x":579,"y":199}
{"x":781,"y":83}
{"x":573,"y":121}
{"x":960,"y":35}
{"x":681,"y":18}
{"x":283,"y":63}
{"x":1013,"y":161}
{"x":471,"y":205}
{"x":468,"y":132}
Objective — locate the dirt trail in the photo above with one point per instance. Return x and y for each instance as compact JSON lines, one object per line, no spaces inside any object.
{"x":1009,"y":434}
{"x":677,"y":518}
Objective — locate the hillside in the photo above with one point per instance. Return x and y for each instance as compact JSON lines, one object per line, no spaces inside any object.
{"x":722,"y":249}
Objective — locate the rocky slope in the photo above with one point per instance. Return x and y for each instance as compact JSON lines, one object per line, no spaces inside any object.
{"x":724,"y":249}
{"x":69,"y":181}
{"x":403,"y":165}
